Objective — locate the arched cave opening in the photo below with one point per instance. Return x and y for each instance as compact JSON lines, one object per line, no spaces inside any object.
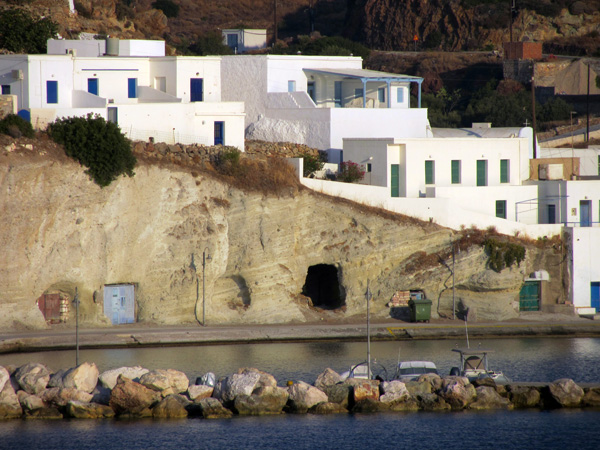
{"x":323,"y":287}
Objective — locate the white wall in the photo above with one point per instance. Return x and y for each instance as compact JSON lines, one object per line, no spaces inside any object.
{"x":585,"y":243}
{"x":20,"y":88}
{"x":444,"y":212}
{"x":588,"y":157}
{"x":96,"y":47}
{"x":208,"y":68}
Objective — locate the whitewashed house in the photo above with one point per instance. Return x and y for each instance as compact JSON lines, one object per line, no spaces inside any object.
{"x":171,"y":99}
{"x":242,"y":40}
{"x":319,"y":100}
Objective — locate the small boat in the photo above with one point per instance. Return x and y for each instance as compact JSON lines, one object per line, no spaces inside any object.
{"x":361,"y":371}
{"x":474,"y":366}
{"x":411,"y":370}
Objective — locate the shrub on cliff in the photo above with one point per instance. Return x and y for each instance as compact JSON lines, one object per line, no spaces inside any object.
{"x":22,"y":33}
{"x":312,"y":164}
{"x":16,"y":126}
{"x":97,"y":144}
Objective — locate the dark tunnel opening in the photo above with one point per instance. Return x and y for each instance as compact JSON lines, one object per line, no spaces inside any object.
{"x":323,"y":287}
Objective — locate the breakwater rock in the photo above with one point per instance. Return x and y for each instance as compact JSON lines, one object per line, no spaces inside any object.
{"x":33,"y":391}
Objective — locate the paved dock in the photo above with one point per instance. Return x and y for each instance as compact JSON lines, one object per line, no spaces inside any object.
{"x":135,"y":335}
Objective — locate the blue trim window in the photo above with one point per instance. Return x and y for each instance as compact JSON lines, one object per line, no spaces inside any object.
{"x":93,"y":86}
{"x":196,"y":89}
{"x":337,"y":86}
{"x":51,"y":91}
{"x":291,"y":85}
{"x":132,"y":88}
{"x":381,"y":95}
{"x":400,"y":95}
{"x":6,"y":89}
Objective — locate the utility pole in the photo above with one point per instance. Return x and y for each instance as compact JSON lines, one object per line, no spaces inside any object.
{"x":275,"y":23}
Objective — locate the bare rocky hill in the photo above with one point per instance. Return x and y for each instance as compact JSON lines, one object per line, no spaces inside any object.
{"x":60,"y":232}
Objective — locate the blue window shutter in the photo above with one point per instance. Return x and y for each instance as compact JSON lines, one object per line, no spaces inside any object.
{"x":51,"y":91}
{"x":196,"y":90}
{"x":132,"y":87}
{"x":381,"y":95}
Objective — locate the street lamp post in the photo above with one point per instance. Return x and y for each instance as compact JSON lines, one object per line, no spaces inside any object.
{"x":76,"y":302}
{"x":205,"y":257}
{"x":368,"y":297}
{"x":453,"y":296}
{"x":572,"y":151}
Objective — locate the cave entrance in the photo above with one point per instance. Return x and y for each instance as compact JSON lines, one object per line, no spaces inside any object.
{"x":323,"y":287}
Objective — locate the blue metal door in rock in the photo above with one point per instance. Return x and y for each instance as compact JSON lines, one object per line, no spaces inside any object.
{"x":119,"y":303}
{"x":529,"y":297}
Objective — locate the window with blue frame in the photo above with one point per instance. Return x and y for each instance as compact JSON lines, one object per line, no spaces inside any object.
{"x":132,"y":88}
{"x":381,"y":95}
{"x":51,"y":91}
{"x":93,"y":86}
{"x":6,"y":89}
{"x":291,"y":85}
{"x":338,"y":94}
{"x":400,"y":95}
{"x":196,"y":89}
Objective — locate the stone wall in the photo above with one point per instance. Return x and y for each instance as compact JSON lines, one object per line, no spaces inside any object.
{"x":8,"y":105}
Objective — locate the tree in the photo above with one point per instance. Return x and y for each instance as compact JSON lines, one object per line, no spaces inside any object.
{"x":16,"y":126}
{"x":210,"y":44}
{"x":442,"y":108}
{"x":97,"y":144}
{"x":350,"y":172}
{"x":22,"y":33}
{"x":312,"y":164}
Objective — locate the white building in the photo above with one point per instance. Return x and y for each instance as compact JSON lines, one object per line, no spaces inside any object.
{"x":319,"y":100}
{"x":168,"y":98}
{"x":242,"y":40}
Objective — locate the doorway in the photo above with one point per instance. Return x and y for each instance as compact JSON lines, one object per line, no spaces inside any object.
{"x":323,"y":287}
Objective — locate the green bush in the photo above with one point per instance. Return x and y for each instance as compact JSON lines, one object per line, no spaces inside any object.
{"x":210,"y":44}
{"x":503,"y":254}
{"x":168,"y":7}
{"x":350,"y":172}
{"x":312,"y":164}
{"x":229,"y":162}
{"x":97,"y":144}
{"x":22,"y":33}
{"x":16,"y":126}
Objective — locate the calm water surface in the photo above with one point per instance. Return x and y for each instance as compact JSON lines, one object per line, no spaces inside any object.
{"x":522,"y":359}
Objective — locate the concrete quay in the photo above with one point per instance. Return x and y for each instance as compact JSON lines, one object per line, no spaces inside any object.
{"x":141,"y":334}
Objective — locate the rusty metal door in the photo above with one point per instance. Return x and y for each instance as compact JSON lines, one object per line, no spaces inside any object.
{"x":49,"y":304}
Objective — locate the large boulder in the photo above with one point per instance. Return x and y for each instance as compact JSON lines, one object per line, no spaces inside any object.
{"x":566,"y":393}
{"x":10,"y":407}
{"x":32,"y":377}
{"x":83,"y":410}
{"x":228,"y":388}
{"x":591,"y":397}
{"x":432,"y":402}
{"x":366,"y":389}
{"x":264,"y":400}
{"x":160,"y":380}
{"x":457,"y":393}
{"x":212,"y":408}
{"x":339,"y":393}
{"x":83,"y":377}
{"x":29,"y":402}
{"x":488,"y":398}
{"x":45,"y":413}
{"x":327,"y":408}
{"x":109,"y":378}
{"x":4,"y":377}
{"x":329,"y":377}
{"x":369,"y":405}
{"x":433,"y":379}
{"x":61,"y":396}
{"x":197,"y":392}
{"x":524,"y":396}
{"x":393,"y":391}
{"x":131,"y":398}
{"x":419,"y":387}
{"x":171,"y":407}
{"x":265,"y":379}
{"x":303,"y":396}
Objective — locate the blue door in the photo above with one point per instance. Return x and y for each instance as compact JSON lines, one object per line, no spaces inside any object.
{"x":595,"y":298}
{"x":93,"y":86}
{"x":196,"y":92}
{"x":551,"y":213}
{"x":219,"y":133}
{"x":585,"y":216}
{"x":232,"y":41}
{"x":51,"y":91}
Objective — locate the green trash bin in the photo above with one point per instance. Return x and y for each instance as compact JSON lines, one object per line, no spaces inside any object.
{"x":420,"y":310}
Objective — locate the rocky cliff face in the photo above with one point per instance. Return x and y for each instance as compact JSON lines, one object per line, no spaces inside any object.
{"x":60,"y":232}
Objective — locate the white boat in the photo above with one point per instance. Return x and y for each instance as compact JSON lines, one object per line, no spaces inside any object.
{"x":474,"y":365}
{"x":411,"y":370}
{"x":361,"y":371}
